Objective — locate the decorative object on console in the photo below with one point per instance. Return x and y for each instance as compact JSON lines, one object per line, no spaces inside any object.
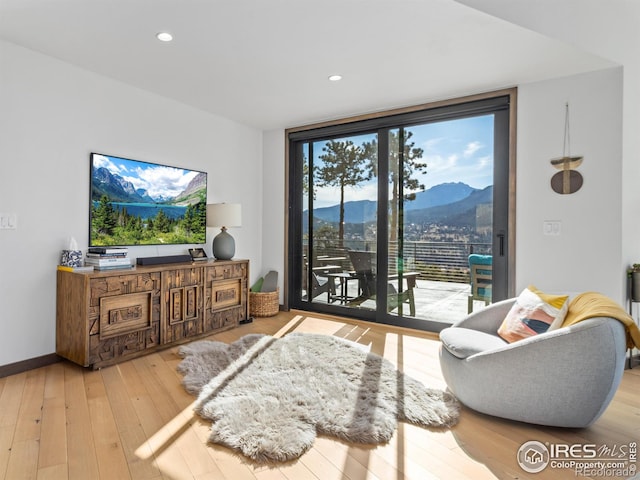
{"x":71,"y":257}
{"x":106,"y":258}
{"x":198,"y":254}
{"x":120,"y":251}
{"x":224,"y":215}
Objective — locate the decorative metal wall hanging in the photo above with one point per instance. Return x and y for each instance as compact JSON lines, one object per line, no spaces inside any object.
{"x":567,"y":180}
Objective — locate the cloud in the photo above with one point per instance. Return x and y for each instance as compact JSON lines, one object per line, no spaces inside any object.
{"x":438,"y":163}
{"x":472,"y":148}
{"x":431,"y":143}
{"x":102,"y":161}
{"x":329,"y":196}
{"x":484,"y":162}
{"x":161,"y":180}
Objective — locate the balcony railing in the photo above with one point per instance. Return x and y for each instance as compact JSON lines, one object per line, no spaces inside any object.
{"x":438,"y":261}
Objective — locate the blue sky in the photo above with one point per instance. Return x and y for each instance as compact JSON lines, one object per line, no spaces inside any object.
{"x":458,"y":151}
{"x":455,"y":151}
{"x":159,"y":181}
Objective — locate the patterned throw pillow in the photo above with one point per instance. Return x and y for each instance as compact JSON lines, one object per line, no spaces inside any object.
{"x":534,"y":312}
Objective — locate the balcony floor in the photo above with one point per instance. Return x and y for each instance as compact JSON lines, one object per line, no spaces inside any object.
{"x":444,"y":302}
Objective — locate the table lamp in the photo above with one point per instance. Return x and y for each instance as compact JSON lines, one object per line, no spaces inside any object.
{"x":224,"y":215}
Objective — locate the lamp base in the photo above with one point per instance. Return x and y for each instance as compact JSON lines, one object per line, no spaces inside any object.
{"x":224,"y":246}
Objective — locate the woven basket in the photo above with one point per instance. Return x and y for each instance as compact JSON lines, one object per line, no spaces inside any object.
{"x":264,"y":304}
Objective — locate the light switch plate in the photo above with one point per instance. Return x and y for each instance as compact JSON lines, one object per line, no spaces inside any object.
{"x":551,"y":227}
{"x":8,"y":221}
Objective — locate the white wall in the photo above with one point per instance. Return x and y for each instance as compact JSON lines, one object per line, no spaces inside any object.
{"x":274,"y":208}
{"x":587,"y":255}
{"x":52,"y":115}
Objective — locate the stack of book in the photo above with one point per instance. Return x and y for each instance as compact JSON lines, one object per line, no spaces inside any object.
{"x":106,"y":258}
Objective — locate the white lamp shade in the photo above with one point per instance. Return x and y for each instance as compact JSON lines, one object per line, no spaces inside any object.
{"x":224,"y":215}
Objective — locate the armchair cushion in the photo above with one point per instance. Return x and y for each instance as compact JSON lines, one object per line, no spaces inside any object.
{"x":464,"y":342}
{"x":534,"y":312}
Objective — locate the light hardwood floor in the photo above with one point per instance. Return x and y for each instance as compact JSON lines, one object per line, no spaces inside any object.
{"x":134,"y":421}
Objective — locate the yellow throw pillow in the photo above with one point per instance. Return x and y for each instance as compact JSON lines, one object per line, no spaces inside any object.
{"x":534,"y":312}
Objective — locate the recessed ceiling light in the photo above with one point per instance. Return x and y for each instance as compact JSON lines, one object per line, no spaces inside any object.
{"x":164,"y":36}
{"x":335,"y":78}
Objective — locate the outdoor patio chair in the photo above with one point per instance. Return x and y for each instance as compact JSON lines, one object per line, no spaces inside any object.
{"x":480,"y":278}
{"x":362,"y":262}
{"x":320,"y":285}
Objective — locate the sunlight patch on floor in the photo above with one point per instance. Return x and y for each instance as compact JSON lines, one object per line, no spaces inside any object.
{"x":167,"y":434}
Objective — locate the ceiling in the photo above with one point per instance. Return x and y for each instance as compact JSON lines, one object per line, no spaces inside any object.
{"x":265,"y":63}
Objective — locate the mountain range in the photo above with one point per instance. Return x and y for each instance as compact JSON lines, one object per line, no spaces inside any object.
{"x":120,"y":190}
{"x":454,"y":201}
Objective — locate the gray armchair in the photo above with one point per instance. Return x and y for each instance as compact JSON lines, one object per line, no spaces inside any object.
{"x":562,"y":378}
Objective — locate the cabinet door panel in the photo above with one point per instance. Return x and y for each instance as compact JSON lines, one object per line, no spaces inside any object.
{"x":110,"y":350}
{"x":224,"y":318}
{"x":183,"y":315}
{"x":184,"y":304}
{"x":117,"y":286}
{"x":125,"y":314}
{"x":226,"y":271}
{"x":226,"y":294}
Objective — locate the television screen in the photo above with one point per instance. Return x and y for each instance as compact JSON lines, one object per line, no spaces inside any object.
{"x":140,"y":203}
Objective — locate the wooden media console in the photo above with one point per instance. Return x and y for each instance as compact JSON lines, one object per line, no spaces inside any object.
{"x":103,"y":317}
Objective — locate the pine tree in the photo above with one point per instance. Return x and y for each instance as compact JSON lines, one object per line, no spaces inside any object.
{"x":105,"y":218}
{"x":344,"y":164}
{"x":161,"y":223}
{"x":403,"y":165}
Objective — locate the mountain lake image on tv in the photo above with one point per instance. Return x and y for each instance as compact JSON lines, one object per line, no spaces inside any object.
{"x":141,"y":203}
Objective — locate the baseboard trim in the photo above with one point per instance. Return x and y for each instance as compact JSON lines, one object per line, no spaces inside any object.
{"x":29,"y":364}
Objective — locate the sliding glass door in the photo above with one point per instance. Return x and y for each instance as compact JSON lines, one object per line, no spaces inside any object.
{"x":388,"y":214}
{"x":338,"y":218}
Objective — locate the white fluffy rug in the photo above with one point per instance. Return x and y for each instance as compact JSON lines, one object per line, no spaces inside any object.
{"x":268,"y":397}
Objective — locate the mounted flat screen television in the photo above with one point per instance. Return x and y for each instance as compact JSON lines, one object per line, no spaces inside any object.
{"x":141,"y":203}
